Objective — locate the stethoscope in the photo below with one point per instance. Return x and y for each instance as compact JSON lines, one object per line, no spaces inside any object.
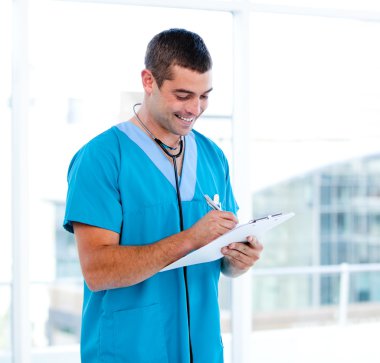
{"x":167,"y":150}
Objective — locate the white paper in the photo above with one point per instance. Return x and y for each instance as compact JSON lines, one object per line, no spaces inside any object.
{"x":212,"y":251}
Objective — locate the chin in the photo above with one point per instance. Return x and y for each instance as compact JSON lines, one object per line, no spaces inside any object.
{"x":186,"y":131}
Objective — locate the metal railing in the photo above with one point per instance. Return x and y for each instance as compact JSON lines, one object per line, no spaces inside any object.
{"x":344,"y":270}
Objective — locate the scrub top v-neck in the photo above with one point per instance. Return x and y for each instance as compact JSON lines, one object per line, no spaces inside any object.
{"x":121,"y":181}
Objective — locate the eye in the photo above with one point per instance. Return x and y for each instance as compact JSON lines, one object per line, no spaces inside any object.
{"x":182,"y":97}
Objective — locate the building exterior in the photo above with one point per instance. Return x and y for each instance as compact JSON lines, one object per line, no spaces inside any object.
{"x":337,"y":221}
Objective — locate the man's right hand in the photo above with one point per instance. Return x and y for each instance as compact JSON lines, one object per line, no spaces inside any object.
{"x":212,"y":225}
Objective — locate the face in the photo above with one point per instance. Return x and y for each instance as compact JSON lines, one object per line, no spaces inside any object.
{"x":175,"y":106}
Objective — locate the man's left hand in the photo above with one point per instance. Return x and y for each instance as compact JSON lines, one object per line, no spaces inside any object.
{"x":241,"y":256}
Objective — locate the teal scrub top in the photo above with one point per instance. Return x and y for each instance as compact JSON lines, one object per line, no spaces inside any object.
{"x":121,"y":181}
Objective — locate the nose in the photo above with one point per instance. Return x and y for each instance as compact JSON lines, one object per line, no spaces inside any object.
{"x":194,"y":107}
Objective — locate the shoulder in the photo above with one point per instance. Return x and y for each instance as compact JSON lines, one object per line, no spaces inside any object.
{"x":205,"y":141}
{"x":208,"y":146}
{"x":106,"y":142}
{"x":107,"y":139}
{"x":100,"y":150}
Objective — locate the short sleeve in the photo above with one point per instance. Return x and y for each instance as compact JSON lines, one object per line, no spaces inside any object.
{"x":93,"y":195}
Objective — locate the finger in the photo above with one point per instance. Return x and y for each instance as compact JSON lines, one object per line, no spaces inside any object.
{"x":243,"y":247}
{"x":243,"y":252}
{"x":224,"y":223}
{"x":225,"y":215}
{"x":239,"y":259}
{"x":254,"y":242}
{"x":227,"y":224}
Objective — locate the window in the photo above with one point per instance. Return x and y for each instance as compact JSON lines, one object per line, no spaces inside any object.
{"x":311,"y":77}
{"x":314,"y":115}
{"x":84,"y":79}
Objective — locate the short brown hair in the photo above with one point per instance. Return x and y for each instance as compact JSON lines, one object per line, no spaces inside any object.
{"x":176,"y":47}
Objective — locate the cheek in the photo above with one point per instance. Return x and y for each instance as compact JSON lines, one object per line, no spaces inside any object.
{"x":171,"y":103}
{"x":204,"y":104}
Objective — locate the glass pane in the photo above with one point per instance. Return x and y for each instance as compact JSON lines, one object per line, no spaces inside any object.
{"x":315,"y":149}
{"x":5,"y":140}
{"x":5,"y":181}
{"x":56,"y":313}
{"x":225,"y":287}
{"x":289,"y":301}
{"x":364,"y":289}
{"x":286,"y":244}
{"x":302,"y":148}
{"x":5,"y":323}
{"x":82,"y":68}
{"x":279,"y":287}
{"x":285,"y":306}
{"x":84,"y":79}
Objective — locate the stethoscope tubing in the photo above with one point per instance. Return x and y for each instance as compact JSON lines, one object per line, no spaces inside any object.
{"x":180,"y":212}
{"x":174,"y":158}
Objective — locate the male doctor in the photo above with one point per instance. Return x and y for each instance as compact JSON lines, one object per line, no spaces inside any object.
{"x":136,"y":203}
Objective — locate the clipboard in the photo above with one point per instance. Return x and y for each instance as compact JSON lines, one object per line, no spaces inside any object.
{"x":212,"y":251}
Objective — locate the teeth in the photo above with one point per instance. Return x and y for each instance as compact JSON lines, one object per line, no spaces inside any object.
{"x":185,"y":119}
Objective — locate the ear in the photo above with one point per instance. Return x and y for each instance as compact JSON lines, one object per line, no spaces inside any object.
{"x":147,"y":80}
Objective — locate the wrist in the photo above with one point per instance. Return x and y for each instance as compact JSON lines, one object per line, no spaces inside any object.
{"x":186,"y":239}
{"x":228,"y":268}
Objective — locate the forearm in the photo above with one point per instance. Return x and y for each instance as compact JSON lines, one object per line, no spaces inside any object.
{"x":106,"y":264}
{"x":114,"y":266}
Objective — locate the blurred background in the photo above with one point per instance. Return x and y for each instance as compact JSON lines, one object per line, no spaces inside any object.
{"x":296,"y":109}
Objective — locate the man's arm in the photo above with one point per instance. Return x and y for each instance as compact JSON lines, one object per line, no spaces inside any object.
{"x":106,"y":264}
{"x":239,"y":257}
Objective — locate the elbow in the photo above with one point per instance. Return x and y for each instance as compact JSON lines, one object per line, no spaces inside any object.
{"x":91,"y":277}
{"x":97,"y":279}
{"x":92,"y":285}
{"x":92,"y":282}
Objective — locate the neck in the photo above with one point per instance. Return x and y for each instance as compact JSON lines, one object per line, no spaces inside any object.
{"x":172,"y":146}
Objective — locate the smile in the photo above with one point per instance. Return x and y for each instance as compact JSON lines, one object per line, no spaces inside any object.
{"x":185,"y":118}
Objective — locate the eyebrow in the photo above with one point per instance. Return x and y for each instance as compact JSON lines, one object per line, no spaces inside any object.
{"x":183,"y":90}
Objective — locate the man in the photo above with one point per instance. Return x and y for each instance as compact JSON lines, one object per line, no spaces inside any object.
{"x":136,"y":204}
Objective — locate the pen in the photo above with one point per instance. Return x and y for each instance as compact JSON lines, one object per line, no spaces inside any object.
{"x":213,"y":203}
